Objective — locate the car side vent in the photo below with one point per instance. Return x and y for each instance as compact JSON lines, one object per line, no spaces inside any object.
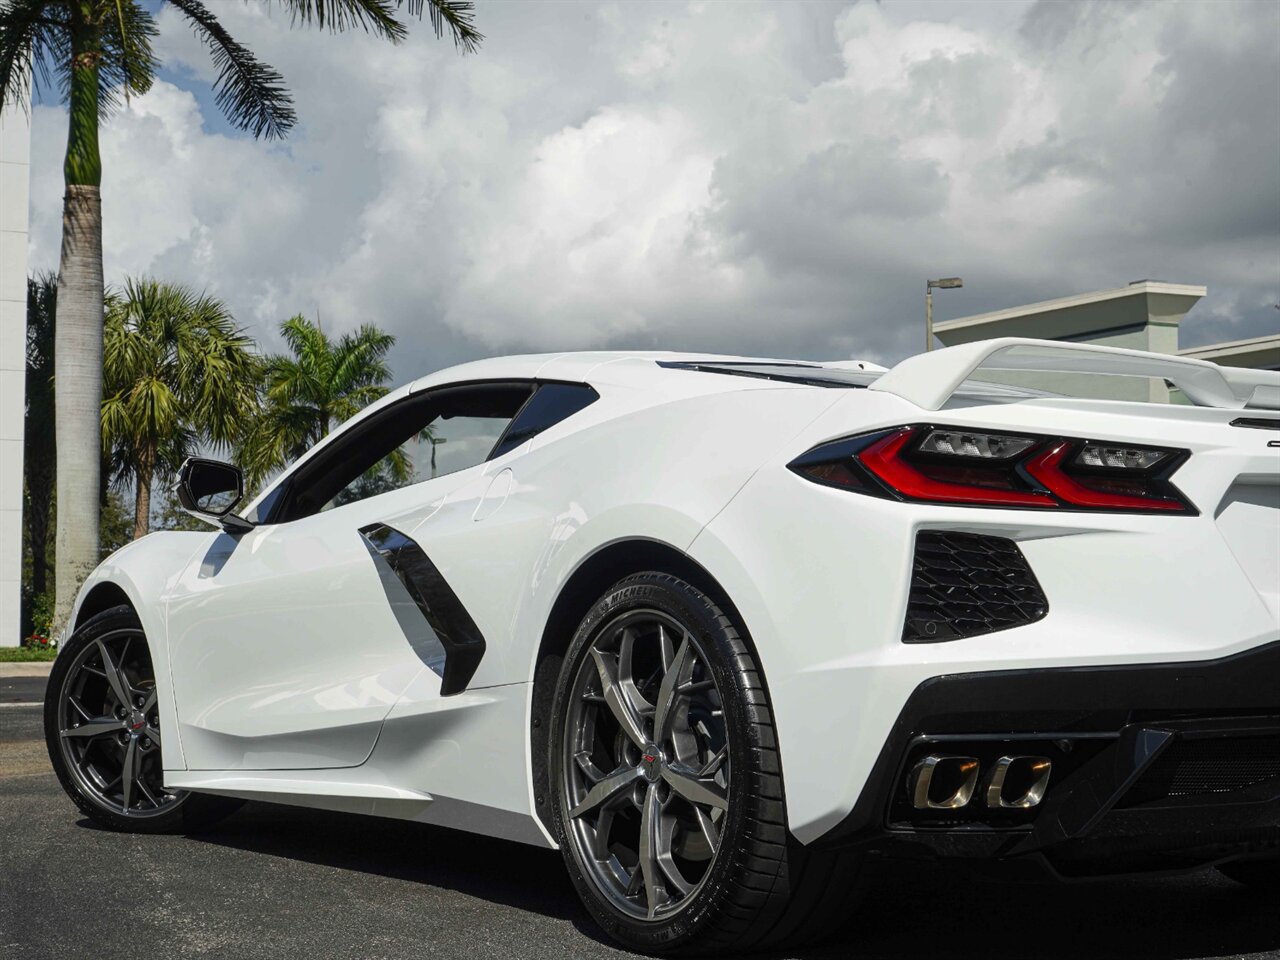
{"x":965,"y":585}
{"x":1257,"y":423}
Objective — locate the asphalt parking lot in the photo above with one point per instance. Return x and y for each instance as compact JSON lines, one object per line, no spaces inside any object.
{"x":278,"y":882}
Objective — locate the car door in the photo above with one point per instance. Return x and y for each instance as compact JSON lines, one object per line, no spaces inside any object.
{"x":289,"y":643}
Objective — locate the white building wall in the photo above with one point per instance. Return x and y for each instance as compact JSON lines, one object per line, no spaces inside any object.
{"x":15,"y":155}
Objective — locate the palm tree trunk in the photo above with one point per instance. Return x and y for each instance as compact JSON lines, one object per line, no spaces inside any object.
{"x":78,"y":331}
{"x":142,"y":502}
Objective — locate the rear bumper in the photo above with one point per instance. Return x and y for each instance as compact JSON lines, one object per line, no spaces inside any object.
{"x":1156,"y":766}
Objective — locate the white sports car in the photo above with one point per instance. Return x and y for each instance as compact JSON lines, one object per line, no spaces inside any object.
{"x":722,"y":629}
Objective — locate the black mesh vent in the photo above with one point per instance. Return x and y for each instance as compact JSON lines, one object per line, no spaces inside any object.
{"x":1192,"y":768}
{"x":965,"y":585}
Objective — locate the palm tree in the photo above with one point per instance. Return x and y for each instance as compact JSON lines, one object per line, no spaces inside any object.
{"x":179,"y":374}
{"x":322,"y":383}
{"x":98,"y":51}
{"x":38,"y":456}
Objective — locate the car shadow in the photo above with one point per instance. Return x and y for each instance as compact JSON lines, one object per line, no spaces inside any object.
{"x":908,"y":911}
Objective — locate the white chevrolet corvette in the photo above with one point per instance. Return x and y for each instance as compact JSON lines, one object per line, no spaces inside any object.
{"x":723,"y":629}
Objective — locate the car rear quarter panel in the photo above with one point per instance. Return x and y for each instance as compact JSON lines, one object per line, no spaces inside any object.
{"x":821,"y":577}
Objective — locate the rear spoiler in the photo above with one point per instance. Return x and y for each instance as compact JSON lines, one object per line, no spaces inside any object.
{"x":929,"y":379}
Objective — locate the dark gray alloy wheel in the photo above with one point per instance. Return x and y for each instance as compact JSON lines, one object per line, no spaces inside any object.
{"x":102,"y":728}
{"x":646,"y":763}
{"x":667,"y":787}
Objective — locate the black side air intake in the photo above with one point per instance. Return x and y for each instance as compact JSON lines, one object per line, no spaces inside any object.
{"x":448,"y":619}
{"x":965,"y":585}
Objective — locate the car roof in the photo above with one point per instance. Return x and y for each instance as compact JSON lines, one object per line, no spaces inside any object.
{"x":584,"y":365}
{"x":642,"y":367}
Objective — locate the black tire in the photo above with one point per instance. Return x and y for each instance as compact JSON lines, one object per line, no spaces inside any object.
{"x":760,"y":888}
{"x":1261,"y":874}
{"x":174,"y":811}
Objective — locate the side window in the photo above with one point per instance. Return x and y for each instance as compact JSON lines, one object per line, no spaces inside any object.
{"x":422,"y":436}
{"x":551,"y":403}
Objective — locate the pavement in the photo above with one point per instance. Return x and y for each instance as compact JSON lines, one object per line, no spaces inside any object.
{"x":279,"y":882}
{"x":40,"y":669}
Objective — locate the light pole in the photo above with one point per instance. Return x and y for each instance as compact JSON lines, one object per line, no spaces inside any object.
{"x":435,"y":442}
{"x":946,"y":283}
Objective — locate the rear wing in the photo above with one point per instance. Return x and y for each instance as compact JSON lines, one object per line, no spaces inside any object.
{"x":929,"y":379}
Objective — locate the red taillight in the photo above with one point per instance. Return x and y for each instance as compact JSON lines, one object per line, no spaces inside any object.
{"x":982,"y":468}
{"x":884,"y":458}
{"x":1046,"y":468}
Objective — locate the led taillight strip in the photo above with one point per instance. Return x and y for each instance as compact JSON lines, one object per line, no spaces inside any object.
{"x":883,"y":459}
{"x":1046,"y":468}
{"x":891,"y":463}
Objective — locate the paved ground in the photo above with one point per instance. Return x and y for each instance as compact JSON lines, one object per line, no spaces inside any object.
{"x":274,"y":882}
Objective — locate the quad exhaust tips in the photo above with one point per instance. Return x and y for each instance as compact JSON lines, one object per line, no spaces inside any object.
{"x":942,"y":782}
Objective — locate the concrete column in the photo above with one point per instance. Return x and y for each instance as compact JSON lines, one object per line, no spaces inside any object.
{"x":15,"y":159}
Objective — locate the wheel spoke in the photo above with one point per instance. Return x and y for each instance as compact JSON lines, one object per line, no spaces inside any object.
{"x":115,"y":676}
{"x":666,"y":857}
{"x":697,"y":789}
{"x":679,"y":673}
{"x":128,"y":773}
{"x":150,"y":703}
{"x":615,"y":697}
{"x":666,"y":647}
{"x":78,"y":708}
{"x":710,"y":768}
{"x":708,"y":828}
{"x":648,"y":853}
{"x":626,"y":672}
{"x":146,"y":792}
{"x":607,"y":790}
{"x":97,"y":727}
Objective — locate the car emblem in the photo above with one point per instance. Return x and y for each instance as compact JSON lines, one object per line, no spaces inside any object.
{"x":649,"y":763}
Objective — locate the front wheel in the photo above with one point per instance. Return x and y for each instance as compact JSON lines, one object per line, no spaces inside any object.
{"x":102,"y":728}
{"x":667,"y":786}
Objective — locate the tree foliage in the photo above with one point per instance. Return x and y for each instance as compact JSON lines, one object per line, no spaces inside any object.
{"x":318,"y":384}
{"x":179,"y":375}
{"x":45,"y":39}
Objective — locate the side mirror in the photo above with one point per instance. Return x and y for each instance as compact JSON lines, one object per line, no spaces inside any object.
{"x":210,"y":490}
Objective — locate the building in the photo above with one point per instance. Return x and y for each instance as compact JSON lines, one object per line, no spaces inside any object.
{"x":1258,"y":353}
{"x":15,"y":153}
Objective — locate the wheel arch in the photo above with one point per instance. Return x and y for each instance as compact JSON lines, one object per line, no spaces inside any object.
{"x":580,"y":591}
{"x":101,"y":596}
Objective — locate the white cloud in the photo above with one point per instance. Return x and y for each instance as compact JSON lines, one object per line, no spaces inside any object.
{"x":773,"y":178}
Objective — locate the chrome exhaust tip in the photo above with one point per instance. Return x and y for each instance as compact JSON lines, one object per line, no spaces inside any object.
{"x":943,"y":782}
{"x":1018,"y":783}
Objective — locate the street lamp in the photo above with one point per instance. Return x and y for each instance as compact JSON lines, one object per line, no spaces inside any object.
{"x":946,"y":283}
{"x":435,"y":442}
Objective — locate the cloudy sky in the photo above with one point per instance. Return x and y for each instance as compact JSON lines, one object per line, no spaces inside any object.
{"x":773,"y":178}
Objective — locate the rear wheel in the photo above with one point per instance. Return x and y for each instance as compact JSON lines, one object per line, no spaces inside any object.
{"x":102,"y":728}
{"x":667,"y":786}
{"x":1264,"y":874}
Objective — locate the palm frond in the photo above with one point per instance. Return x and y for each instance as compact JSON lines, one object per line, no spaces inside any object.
{"x":32,"y":33}
{"x":128,"y":64}
{"x":250,"y":93}
{"x":338,"y":16}
{"x":458,"y":15}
